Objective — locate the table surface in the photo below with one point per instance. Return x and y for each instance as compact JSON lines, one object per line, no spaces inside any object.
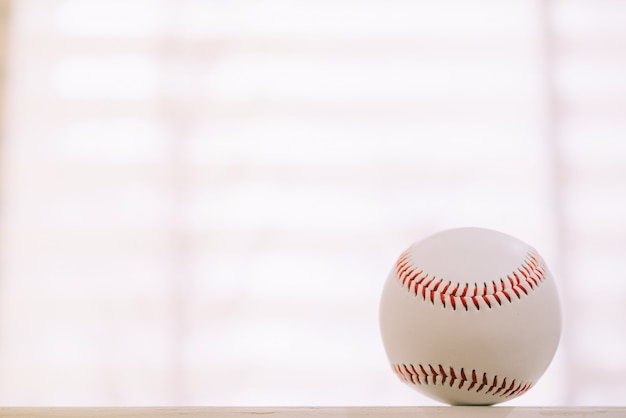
{"x":307,"y":412}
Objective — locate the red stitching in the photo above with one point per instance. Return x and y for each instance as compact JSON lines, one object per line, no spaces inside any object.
{"x":439,"y":375}
{"x":527,"y":277}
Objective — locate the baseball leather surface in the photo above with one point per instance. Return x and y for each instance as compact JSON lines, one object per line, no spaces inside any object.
{"x":470,"y":316}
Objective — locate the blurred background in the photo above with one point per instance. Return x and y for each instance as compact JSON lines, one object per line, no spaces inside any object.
{"x":201,"y":200}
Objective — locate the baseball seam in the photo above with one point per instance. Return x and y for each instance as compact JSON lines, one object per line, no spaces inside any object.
{"x":428,"y":375}
{"x":520,"y":281}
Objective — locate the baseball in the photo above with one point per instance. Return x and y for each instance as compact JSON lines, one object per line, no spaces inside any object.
{"x":470,"y":316}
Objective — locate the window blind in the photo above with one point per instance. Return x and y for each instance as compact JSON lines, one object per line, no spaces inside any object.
{"x":202,"y":199}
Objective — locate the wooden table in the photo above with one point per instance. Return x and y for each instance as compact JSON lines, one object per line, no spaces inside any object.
{"x":320,"y":412}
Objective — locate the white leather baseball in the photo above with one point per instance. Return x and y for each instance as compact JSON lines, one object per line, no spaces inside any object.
{"x":470,"y":316}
